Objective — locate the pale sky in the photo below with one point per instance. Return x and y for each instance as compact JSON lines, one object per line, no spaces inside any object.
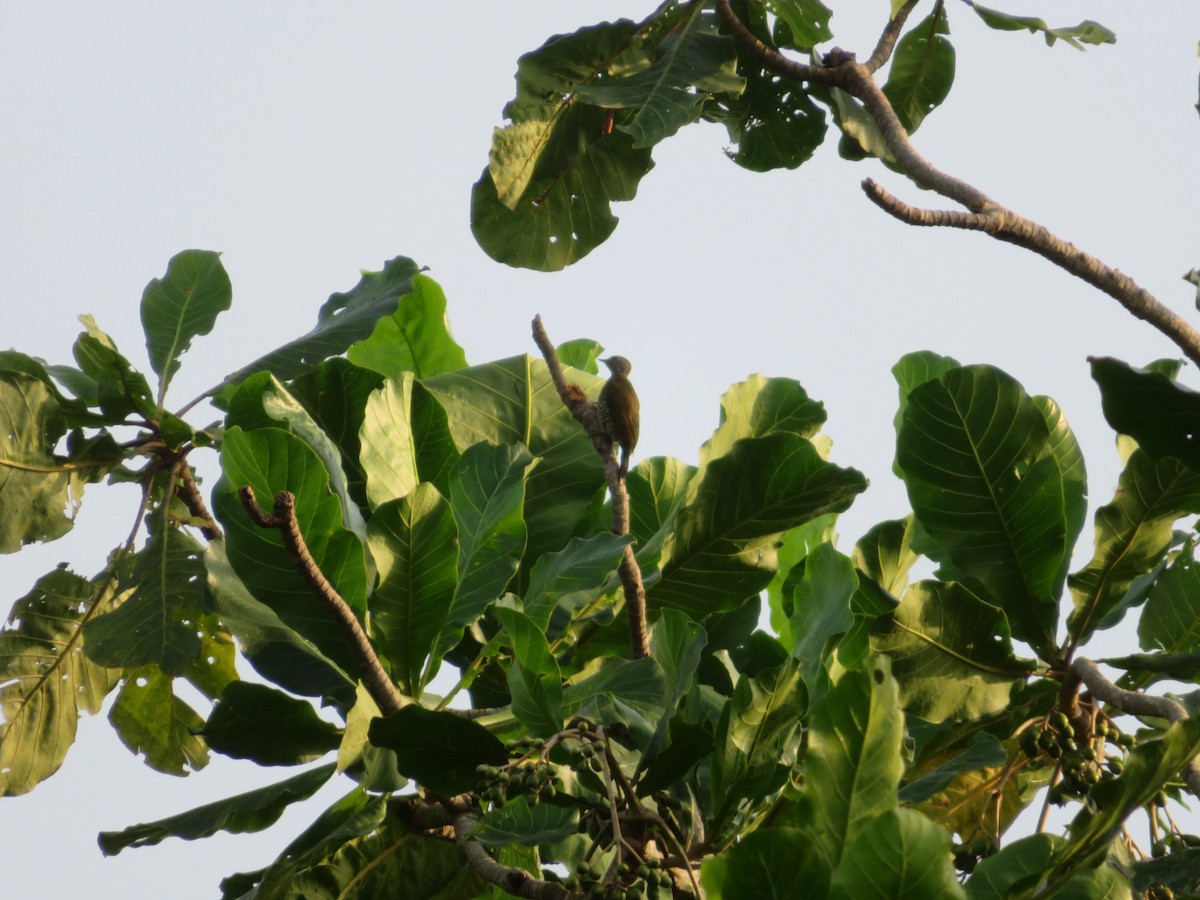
{"x":307,"y":141}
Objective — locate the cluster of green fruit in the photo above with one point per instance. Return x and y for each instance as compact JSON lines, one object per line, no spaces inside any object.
{"x":633,"y":883}
{"x":529,"y":774}
{"x":1081,"y":757}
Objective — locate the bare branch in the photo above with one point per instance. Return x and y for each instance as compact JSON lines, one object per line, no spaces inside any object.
{"x":382,"y":690}
{"x":1134,"y":703}
{"x":584,"y":411}
{"x":189,"y":492}
{"x":891,"y":34}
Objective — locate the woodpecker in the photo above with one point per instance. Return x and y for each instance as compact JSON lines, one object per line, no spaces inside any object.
{"x":619,"y":408}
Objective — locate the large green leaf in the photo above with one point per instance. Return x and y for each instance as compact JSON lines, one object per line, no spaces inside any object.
{"x":807,"y":21}
{"x":1162,"y":416}
{"x":389,"y":446}
{"x":342,"y":320}
{"x":757,"y":720}
{"x":761,"y":406}
{"x":1133,"y":534}
{"x":1086,"y":32}
{"x":260,"y":723}
{"x":885,"y":554}
{"x":984,"y":751}
{"x":545,"y":199}
{"x":693,"y":62}
{"x":1066,"y":450}
{"x":534,"y":679}
{"x":820,"y":591}
{"x":657,"y":488}
{"x":153,"y":626}
{"x":487,"y":490}
{"x":520,"y":823}
{"x":853,"y":765}
{"x":121,"y":390}
{"x":911,"y":371}
{"x":151,"y":720}
{"x":984,"y":481}
{"x":922,"y":70}
{"x":414,"y":543}
{"x":270,"y":460}
{"x":415,"y":338}
{"x":722,"y":549}
{"x":1171,"y":620}
{"x":751,"y":870}
{"x":181,"y":305}
{"x":574,"y":576}
{"x":276,"y":651}
{"x":46,"y":681}
{"x":898,"y":853}
{"x":950,"y":653}
{"x":251,"y":811}
{"x":637,"y":683}
{"x":439,"y":750}
{"x":34,"y":483}
{"x":514,"y":401}
{"x":774,"y":124}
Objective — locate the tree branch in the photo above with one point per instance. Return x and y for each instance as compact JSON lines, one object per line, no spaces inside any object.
{"x":891,"y":34}
{"x":1135,"y":703}
{"x":381,"y":688}
{"x":841,"y":70}
{"x":584,"y":411}
{"x":189,"y":492}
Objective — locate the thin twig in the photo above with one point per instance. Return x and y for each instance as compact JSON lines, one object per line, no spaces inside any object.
{"x":189,"y":492}
{"x":1134,"y":703}
{"x":381,"y":688}
{"x":584,"y":411}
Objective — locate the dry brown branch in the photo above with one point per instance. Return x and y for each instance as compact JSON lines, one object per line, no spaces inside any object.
{"x":381,"y":688}
{"x":584,"y":411}
{"x":841,"y":70}
{"x":891,"y":34}
{"x":1135,"y":703}
{"x":189,"y":492}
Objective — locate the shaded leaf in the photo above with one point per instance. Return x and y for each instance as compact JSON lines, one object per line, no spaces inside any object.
{"x":121,"y":390}
{"x":534,"y":679}
{"x":984,"y":751}
{"x":774,"y":124}
{"x":820,"y":591}
{"x":519,"y":823}
{"x":1086,"y":32}
{"x":415,"y":338}
{"x":151,"y":720}
{"x":807,"y":21}
{"x":260,"y":723}
{"x":1171,"y":620}
{"x":885,"y":554}
{"x":181,"y":305}
{"x":750,"y":869}
{"x":922,"y":70}
{"x":575,"y":575}
{"x":898,"y":853}
{"x":1149,"y":406}
{"x":251,"y":811}
{"x":46,"y":681}
{"x":439,"y":750}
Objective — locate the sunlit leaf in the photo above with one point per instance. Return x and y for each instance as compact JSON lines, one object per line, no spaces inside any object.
{"x":415,"y":338}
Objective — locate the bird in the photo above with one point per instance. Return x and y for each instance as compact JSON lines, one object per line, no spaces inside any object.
{"x":619,"y":409}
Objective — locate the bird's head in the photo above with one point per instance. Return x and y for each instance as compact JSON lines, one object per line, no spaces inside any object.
{"x":618,"y":365}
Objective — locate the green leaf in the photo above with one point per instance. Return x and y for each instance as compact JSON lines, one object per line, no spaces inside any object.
{"x":774,"y":124}
{"x":677,"y":643}
{"x":389,"y":446}
{"x":898,"y":853}
{"x":341,"y":321}
{"x":984,"y":751}
{"x":277,"y":652}
{"x":1133,"y":534}
{"x":1017,"y":865}
{"x":34,"y":482}
{"x":151,"y":720}
{"x":553,"y":173}
{"x":911,"y":371}
{"x":984,"y":480}
{"x":519,"y":823}
{"x":885,"y":554}
{"x":1178,"y":870}
{"x":950,"y":653}
{"x":657,"y":488}
{"x":808,"y":21}
{"x":1162,"y":416}
{"x":335,"y":396}
{"x":761,"y":406}
{"x":1086,"y":32}
{"x":722,"y":549}
{"x":439,"y":750}
{"x":853,"y":765}
{"x":513,"y":401}
{"x":121,"y":390}
{"x":153,"y":625}
{"x":251,"y":811}
{"x":270,"y":460}
{"x":534,"y":679}
{"x":415,"y":338}
{"x":415,"y":547}
{"x":181,"y":305}
{"x":690,"y":64}
{"x":575,"y":576}
{"x":260,"y":723}
{"x":751,"y":870}
{"x":1171,"y":620}
{"x":637,"y":682}
{"x":487,"y":489}
{"x":580,"y":353}
{"x":922,"y":70}
{"x":46,"y":681}
{"x":1148,"y":766}
{"x":757,"y":720}
{"x":820,"y":592}
{"x":1070,"y":462}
